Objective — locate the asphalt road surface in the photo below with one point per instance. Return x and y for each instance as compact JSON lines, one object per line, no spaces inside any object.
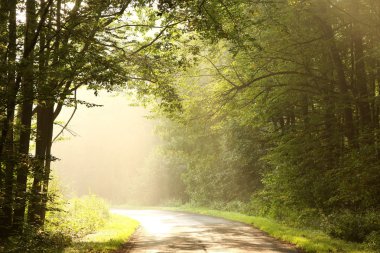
{"x":168,"y":231}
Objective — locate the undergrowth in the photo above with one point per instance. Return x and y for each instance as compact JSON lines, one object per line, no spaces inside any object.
{"x":66,"y":221}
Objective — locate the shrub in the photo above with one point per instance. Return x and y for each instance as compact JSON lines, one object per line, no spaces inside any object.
{"x":236,"y":206}
{"x":79,"y":216}
{"x":36,"y":240}
{"x":373,"y":240}
{"x":66,"y":220}
{"x":352,"y":226}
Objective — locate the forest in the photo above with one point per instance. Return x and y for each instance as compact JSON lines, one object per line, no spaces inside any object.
{"x":269,"y":108}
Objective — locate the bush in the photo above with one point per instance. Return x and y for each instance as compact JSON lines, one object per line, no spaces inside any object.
{"x":36,"y":240}
{"x":351,"y":226}
{"x":65,"y":221}
{"x":78,"y":217}
{"x":373,"y":240}
{"x":236,"y":206}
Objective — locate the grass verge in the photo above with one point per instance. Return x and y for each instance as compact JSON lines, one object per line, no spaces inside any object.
{"x":305,"y":239}
{"x":117,"y":231}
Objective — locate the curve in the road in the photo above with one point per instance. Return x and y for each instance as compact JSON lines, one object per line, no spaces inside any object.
{"x":168,"y":231}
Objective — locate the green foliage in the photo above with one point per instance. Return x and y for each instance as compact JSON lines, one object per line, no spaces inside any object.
{"x":66,"y":222}
{"x":116,"y":232}
{"x":79,"y":216}
{"x":233,"y":206}
{"x":373,"y":241}
{"x":363,"y":226}
{"x":60,"y":47}
{"x":35,"y":240}
{"x":272,"y":103}
{"x":281,"y":109}
{"x":210,"y":148}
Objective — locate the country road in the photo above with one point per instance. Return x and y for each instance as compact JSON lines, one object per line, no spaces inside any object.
{"x":168,"y":231}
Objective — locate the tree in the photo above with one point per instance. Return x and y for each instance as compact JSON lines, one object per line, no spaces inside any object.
{"x":67,"y":45}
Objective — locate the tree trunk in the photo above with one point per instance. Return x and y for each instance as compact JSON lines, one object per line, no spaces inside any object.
{"x":26,"y":115}
{"x":3,"y":108}
{"x":48,"y":160}
{"x":349,"y":127}
{"x":34,"y":210}
{"x":8,"y":152}
{"x":45,"y":120}
{"x":4,"y":42}
{"x":361,"y":78}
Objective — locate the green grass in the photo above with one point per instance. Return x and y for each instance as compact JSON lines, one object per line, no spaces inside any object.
{"x":305,"y":239}
{"x":112,"y":236}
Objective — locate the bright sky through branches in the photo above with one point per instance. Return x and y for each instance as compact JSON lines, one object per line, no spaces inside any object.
{"x":111,"y":145}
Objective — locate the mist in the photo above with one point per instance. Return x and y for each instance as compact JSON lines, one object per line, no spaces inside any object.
{"x":104,"y":148}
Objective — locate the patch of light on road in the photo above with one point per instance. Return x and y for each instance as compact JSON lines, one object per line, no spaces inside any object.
{"x":151,"y":223}
{"x":153,"y":226}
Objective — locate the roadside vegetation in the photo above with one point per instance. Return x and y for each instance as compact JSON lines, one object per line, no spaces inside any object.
{"x":76,"y":225}
{"x":309,"y":240}
{"x":112,"y":236}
